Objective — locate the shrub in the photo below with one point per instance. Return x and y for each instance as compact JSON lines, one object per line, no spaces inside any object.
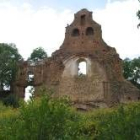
{"x":45,"y":119}
{"x":122,"y":123}
{"x":48,"y":118}
{"x":51,"y":119}
{"x":11,"y":100}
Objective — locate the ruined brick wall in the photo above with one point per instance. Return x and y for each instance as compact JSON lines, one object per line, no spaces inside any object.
{"x":102,"y":86}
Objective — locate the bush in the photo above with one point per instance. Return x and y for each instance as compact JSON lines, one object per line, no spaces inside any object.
{"x":11,"y":100}
{"x":8,"y":116}
{"x":121,"y":123}
{"x":45,"y":119}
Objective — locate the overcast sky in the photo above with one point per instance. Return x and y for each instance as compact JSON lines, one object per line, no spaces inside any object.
{"x":33,"y":23}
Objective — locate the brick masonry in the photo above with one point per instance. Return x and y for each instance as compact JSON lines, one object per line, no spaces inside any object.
{"x":102,"y":86}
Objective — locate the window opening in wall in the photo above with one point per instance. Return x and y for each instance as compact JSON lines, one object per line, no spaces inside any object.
{"x":89,"y":31}
{"x":30,"y":77}
{"x":6,"y":87}
{"x":82,"y":68}
{"x":29,"y":91}
{"x":83,"y":19}
{"x":75,"y":32}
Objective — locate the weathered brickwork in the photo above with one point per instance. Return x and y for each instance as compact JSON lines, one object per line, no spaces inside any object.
{"x":102,"y":86}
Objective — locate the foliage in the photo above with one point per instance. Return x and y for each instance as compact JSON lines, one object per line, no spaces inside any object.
{"x":4,"y":110}
{"x":37,"y":55}
{"x":9,"y":57}
{"x":53,"y":119}
{"x":45,"y":118}
{"x":7,"y":117}
{"x":121,"y":124}
{"x":48,"y":120}
{"x":131,"y":70}
{"x":11,"y":100}
{"x":138,"y":15}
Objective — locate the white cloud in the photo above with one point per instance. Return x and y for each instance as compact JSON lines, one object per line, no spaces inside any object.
{"x":119,"y":25}
{"x":29,"y":28}
{"x":108,"y":1}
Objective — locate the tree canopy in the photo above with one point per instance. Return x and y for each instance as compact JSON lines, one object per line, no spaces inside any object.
{"x":9,"y":58}
{"x":37,"y":55}
{"x":138,"y":14}
{"x":131,"y":70}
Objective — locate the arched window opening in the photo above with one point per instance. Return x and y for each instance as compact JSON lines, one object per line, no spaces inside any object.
{"x":82,"y":68}
{"x":29,"y":91}
{"x":83,"y":19}
{"x":75,"y":32}
{"x":89,"y":31}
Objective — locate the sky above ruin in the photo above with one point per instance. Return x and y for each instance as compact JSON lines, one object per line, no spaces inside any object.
{"x":33,"y":23}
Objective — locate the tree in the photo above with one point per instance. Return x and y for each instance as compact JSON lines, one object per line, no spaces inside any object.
{"x":131,"y":70}
{"x":9,"y":58}
{"x":138,"y":14}
{"x":37,"y":55}
{"x":127,"y":69}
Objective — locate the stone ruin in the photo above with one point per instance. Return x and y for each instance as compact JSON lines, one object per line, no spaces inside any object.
{"x":103,"y":85}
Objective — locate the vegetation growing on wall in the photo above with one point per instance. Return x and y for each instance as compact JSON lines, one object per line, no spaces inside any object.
{"x":37,"y":55}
